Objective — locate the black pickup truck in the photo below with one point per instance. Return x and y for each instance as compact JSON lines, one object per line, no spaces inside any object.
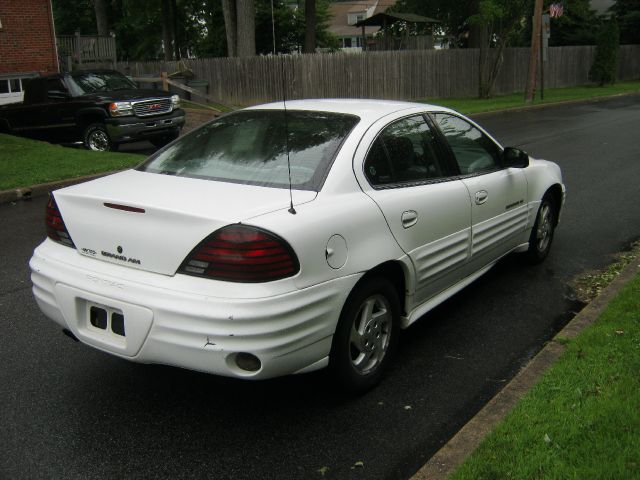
{"x":100,"y":108}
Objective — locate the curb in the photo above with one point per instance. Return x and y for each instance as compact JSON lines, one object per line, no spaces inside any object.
{"x":462,"y":444}
{"x":42,"y":189}
{"x":538,"y":106}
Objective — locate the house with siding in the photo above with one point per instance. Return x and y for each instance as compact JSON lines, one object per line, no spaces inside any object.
{"x":344,"y":16}
{"x":27,"y":45}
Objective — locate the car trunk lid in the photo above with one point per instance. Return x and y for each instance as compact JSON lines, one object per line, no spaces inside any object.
{"x":152,"y":222}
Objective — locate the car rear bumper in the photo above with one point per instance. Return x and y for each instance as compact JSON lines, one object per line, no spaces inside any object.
{"x":289,"y":333}
{"x":127,"y":129}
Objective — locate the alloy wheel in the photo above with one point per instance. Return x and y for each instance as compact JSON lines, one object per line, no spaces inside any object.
{"x":545,"y":227}
{"x":370,"y":334}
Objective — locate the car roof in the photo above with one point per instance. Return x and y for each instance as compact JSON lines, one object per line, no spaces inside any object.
{"x":366,"y":109}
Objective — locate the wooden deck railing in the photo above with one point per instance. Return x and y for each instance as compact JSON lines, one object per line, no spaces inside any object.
{"x":79,"y":49}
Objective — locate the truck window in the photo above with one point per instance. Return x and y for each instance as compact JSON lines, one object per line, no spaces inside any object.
{"x":34,"y":91}
{"x":55,"y":85}
{"x":92,"y":82}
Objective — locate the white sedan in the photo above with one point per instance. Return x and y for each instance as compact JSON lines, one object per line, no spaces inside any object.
{"x":278,"y":240}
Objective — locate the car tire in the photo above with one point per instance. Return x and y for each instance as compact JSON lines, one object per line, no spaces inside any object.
{"x":96,"y":138}
{"x":543,"y":229}
{"x":163,"y":140}
{"x":366,"y":335}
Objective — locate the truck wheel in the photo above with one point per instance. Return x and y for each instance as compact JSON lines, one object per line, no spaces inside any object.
{"x":97,"y":139}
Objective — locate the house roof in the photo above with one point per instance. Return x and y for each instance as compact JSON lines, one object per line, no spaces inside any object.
{"x":383,"y":5}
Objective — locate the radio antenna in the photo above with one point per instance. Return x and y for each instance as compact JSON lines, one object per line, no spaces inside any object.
{"x":291,"y":210}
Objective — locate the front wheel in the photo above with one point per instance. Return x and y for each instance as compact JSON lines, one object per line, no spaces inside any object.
{"x":97,"y":138}
{"x":366,"y":335}
{"x":543,"y":230}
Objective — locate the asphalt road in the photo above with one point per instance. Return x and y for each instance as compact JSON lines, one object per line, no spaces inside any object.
{"x":68,"y":411}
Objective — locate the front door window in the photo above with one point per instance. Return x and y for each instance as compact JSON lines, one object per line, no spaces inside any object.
{"x":473,"y":150}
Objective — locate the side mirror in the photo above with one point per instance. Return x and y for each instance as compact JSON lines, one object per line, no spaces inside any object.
{"x":58,"y":95}
{"x":514,"y":157}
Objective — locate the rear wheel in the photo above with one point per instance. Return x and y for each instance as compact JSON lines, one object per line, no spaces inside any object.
{"x":97,"y":138}
{"x":543,"y":230}
{"x":366,"y":335}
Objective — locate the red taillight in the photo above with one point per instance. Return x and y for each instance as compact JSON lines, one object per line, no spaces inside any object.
{"x":239,"y":253}
{"x":56,"y":229}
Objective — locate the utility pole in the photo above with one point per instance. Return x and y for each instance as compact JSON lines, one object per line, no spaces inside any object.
{"x":536,"y":33}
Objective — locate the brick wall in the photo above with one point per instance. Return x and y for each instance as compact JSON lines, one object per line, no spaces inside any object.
{"x":27,"y":38}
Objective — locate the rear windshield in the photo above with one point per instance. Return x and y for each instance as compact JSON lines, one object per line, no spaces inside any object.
{"x":101,"y":82}
{"x":250,"y":147}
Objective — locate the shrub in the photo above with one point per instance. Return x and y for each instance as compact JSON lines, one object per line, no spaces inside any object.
{"x":605,"y":64}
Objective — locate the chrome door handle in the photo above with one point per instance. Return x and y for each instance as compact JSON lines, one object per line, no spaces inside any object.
{"x":481,"y":197}
{"x":409,"y":218}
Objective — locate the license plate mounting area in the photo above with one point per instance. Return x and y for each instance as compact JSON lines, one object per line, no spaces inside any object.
{"x":107,"y":319}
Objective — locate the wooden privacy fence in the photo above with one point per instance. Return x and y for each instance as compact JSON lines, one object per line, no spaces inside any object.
{"x":419,"y":74}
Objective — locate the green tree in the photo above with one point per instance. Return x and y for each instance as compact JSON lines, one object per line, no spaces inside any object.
{"x":577,"y":26}
{"x":188,"y":27}
{"x":72,"y":15}
{"x":310,"y":26}
{"x":208,"y":38}
{"x":605,"y":64}
{"x":102,"y":16}
{"x":324,"y":38}
{"x":138,"y":28}
{"x":136,"y":23}
{"x":490,"y":25}
{"x":169,"y":37}
{"x":290,"y":27}
{"x":627,"y":13}
{"x":501,"y":20}
{"x":454,"y":15}
{"x":285,"y":27}
{"x":239,"y":22}
{"x":191,"y":28}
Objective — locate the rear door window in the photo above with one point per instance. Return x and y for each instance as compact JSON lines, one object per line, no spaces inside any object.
{"x":404,"y":152}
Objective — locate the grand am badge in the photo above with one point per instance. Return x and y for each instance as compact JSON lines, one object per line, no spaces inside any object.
{"x":118,"y":256}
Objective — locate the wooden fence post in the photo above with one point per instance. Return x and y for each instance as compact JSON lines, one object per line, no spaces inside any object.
{"x":78,"y":48}
{"x":112,"y":44}
{"x":165,"y":84}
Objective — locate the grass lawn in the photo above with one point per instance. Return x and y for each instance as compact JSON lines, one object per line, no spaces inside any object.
{"x":26,"y":162}
{"x":552,"y":95}
{"x":210,"y":106}
{"x":582,"y":420}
